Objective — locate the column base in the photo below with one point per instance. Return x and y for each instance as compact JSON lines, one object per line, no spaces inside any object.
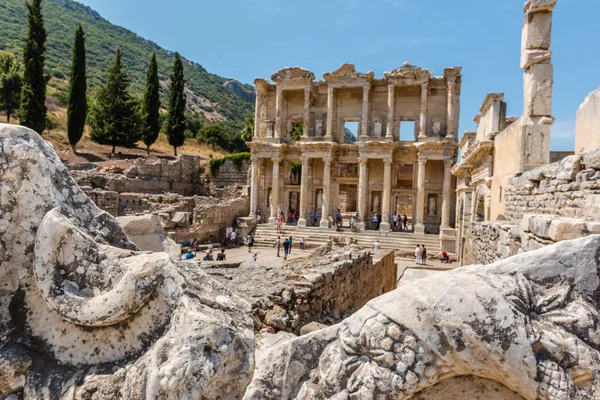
{"x":360,"y":227}
{"x":324,"y":224}
{"x":273,"y":221}
{"x":302,"y":222}
{"x":420,"y":229}
{"x":384,"y":227}
{"x":448,"y":240}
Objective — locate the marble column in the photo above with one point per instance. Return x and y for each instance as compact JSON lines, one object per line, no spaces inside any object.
{"x":362,"y":192}
{"x":306,"y":112}
{"x":330,"y":100}
{"x":450,"y":118}
{"x":389,"y":133}
{"x":326,"y":193}
{"x":364,"y":121}
{"x":423,"y":116}
{"x":419,"y":225}
{"x":274,"y":192}
{"x":303,"y":193}
{"x":254,"y":187}
{"x":257,"y":121}
{"x":446,"y":198}
{"x":387,"y":193}
{"x":279,"y":113}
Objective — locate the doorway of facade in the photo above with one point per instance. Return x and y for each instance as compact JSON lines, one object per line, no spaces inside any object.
{"x":404,"y":206}
{"x":293,"y":208}
{"x":347,"y":198}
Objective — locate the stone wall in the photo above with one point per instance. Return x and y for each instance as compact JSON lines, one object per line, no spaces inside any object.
{"x":326,"y":287}
{"x":231,"y":176}
{"x":587,"y":135}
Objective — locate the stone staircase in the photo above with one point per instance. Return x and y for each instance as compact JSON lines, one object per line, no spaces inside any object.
{"x":265,"y":236}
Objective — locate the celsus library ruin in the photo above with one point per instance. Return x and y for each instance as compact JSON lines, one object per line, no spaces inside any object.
{"x":408,"y":261}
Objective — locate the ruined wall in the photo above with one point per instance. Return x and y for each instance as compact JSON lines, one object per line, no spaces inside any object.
{"x":587,"y":135}
{"x":231,"y":176}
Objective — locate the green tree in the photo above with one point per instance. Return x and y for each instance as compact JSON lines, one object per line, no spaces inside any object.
{"x":77,"y":102}
{"x":33,"y":93}
{"x":10,"y":84}
{"x":248,"y":130}
{"x":212,"y":135}
{"x":297,"y":131}
{"x":114,"y":117}
{"x":177,"y":99}
{"x":151,"y":105}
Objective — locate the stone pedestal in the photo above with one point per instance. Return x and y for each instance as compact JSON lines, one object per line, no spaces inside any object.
{"x":419,"y":229}
{"x":448,"y":240}
{"x":385,"y":227}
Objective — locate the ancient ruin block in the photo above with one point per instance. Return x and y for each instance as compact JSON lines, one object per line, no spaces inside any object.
{"x":538,"y":83}
{"x":587,"y":136}
{"x":537,"y":31}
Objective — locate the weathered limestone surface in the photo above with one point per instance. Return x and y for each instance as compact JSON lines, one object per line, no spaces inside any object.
{"x":528,"y":323}
{"x":147,"y":233}
{"x":587,"y":135}
{"x":85,"y":314}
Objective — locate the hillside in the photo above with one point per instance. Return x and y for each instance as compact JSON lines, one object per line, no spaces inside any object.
{"x":208,"y":93}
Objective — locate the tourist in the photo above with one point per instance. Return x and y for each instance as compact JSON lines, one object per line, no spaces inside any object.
{"x":374,"y":222}
{"x":280,"y":222}
{"x":207,"y":256}
{"x":194,"y":246}
{"x":315,"y":218}
{"x":250,"y":242}
{"x":254,"y":257}
{"x":338,"y":218}
{"x":418,"y":253}
{"x":395,"y":219}
{"x":302,"y":244}
{"x":353,"y":224}
{"x":445,"y":257}
{"x":290,"y":243}
{"x":405,"y":222}
{"x":376,"y":246}
{"x":424,"y":255}
{"x":221,"y":256}
{"x":277,"y":245}
{"x":232,"y":237}
{"x":290,"y":217}
{"x":258,"y":215}
{"x":286,"y":248}
{"x":188,"y":256}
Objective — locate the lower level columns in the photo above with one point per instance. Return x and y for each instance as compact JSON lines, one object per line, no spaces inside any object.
{"x":446,"y":195}
{"x":274,"y":192}
{"x":387,"y":189}
{"x":362,"y":192}
{"x":254,"y":187}
{"x":420,"y":226}
{"x":303,"y":193}
{"x":326,"y":194}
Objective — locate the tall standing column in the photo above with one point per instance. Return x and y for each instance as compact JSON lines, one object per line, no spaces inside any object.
{"x":387,"y":193}
{"x":362,"y":191}
{"x":306,"y":112}
{"x":450,"y":123}
{"x":275,"y":192}
{"x":446,"y":198}
{"x":329,"y":132}
{"x":364,"y":121}
{"x":389,"y":133}
{"x":423,"y":116}
{"x":303,"y":193}
{"x":254,"y":187}
{"x":278,"y":112}
{"x":420,"y":226}
{"x":326,"y":193}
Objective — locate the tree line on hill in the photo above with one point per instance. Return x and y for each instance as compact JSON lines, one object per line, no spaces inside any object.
{"x":115,"y":116}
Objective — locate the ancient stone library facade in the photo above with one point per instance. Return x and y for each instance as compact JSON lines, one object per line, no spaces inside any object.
{"x":401,"y":160}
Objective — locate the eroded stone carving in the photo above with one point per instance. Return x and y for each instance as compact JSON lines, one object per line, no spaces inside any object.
{"x":348,"y":71}
{"x":83,"y":311}
{"x":293,"y":74}
{"x":528,"y":322}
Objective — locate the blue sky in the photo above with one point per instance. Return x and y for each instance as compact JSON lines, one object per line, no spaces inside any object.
{"x":245,"y":39}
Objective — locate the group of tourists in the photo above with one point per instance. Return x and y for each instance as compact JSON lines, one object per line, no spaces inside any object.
{"x":192,"y":252}
{"x":399,"y":223}
{"x":287,"y":245}
{"x":421,"y":254}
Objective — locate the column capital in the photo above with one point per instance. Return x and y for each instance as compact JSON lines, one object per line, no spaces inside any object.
{"x":362,"y":160}
{"x":276,"y":160}
{"x":391,"y":86}
{"x":387,"y":161}
{"x":451,"y":84}
{"x":448,"y":162}
{"x":422,"y":159}
{"x":327,"y":160}
{"x":424,"y":85}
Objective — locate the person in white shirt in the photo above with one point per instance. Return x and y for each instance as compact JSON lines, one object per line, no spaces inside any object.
{"x":418,"y":253}
{"x":232,"y":239}
{"x":376,"y":246}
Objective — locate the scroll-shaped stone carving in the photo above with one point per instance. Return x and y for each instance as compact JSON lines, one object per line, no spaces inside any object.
{"x":529,"y":322}
{"x":85,"y":314}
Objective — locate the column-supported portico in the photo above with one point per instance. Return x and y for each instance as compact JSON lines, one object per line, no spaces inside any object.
{"x":420,"y":226}
{"x":254,"y":187}
{"x":362,"y":192}
{"x":326,"y":193}
{"x":387,"y":189}
{"x":446,"y":194}
{"x":303,"y":192}
{"x":423,"y":116}
{"x":330,"y":99}
{"x":389,"y":133}
{"x":275,"y":192}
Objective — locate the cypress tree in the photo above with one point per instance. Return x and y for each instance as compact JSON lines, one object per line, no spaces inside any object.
{"x":177,"y":98}
{"x":33,"y":95}
{"x":77,"y":107}
{"x":114,"y":118}
{"x":10,"y":84}
{"x":151,"y":105}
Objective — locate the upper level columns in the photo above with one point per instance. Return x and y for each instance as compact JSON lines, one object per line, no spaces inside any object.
{"x":254,"y":187}
{"x":279,"y":113}
{"x":306,"y":112}
{"x":391,"y":110}
{"x":387,"y":189}
{"x":364,"y":121}
{"x":326,"y":193}
{"x":451,"y":89}
{"x":446,"y":194}
{"x":275,"y":192}
{"x":423,"y":116}
{"x":420,"y":226}
{"x":330,"y":100}
{"x":303,"y":192}
{"x":362,"y":189}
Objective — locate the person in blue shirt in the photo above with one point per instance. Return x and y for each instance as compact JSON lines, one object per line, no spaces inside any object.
{"x":286,"y":248}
